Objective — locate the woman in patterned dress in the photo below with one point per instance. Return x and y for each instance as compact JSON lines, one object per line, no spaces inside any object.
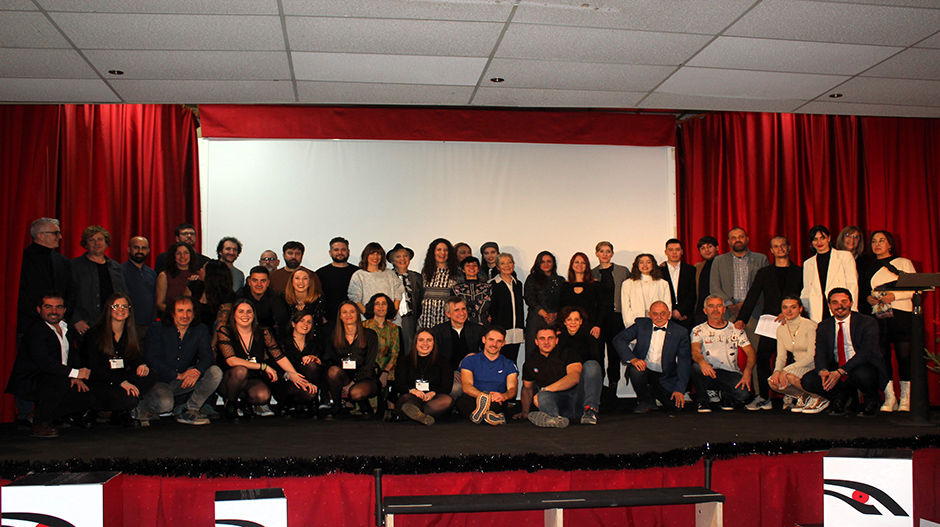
{"x":440,"y":276}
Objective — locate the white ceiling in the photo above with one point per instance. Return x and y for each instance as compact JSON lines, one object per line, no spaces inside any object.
{"x":883,"y":56}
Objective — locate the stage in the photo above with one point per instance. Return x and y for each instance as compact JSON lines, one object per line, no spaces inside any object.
{"x":767,"y":463}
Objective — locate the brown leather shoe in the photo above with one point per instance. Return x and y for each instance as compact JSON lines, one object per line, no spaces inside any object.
{"x":43,"y":431}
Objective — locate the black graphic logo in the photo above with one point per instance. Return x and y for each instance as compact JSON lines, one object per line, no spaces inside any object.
{"x":861,"y":495}
{"x":238,"y":523}
{"x":41,"y":520}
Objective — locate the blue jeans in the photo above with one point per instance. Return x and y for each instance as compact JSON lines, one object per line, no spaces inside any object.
{"x":160,"y":399}
{"x":570,"y":403}
{"x":724,"y":381}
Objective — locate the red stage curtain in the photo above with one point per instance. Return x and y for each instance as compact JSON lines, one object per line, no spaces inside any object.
{"x":780,"y":174}
{"x":130,"y":168}
{"x":435,"y":124}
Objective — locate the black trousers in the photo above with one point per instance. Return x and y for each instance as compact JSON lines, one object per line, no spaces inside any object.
{"x":863,"y":377}
{"x":56,"y":398}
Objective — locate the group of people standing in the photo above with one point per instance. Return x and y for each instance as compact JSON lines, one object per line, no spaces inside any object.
{"x":96,"y":336}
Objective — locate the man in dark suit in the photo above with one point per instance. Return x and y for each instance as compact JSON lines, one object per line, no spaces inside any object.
{"x":660,"y":364}
{"x":681,"y":279}
{"x":847,"y":357}
{"x":457,"y":338}
{"x":48,"y":370}
{"x":774,"y":282}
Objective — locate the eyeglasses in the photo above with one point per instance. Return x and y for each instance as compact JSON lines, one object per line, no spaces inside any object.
{"x":120,"y":307}
{"x":268,"y":259}
{"x":187,"y":233}
{"x":853,"y":236}
{"x":54,"y":233}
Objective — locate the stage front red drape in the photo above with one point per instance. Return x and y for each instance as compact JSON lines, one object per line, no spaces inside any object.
{"x":132,"y":169}
{"x":767,"y":491}
{"x":780,"y":174}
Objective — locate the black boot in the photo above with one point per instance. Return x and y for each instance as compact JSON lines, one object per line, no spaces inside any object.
{"x":231,"y":410}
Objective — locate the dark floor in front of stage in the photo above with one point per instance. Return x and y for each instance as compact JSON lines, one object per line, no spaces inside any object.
{"x":618,"y":432}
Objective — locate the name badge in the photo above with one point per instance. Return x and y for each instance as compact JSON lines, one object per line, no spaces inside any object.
{"x":422,"y":385}
{"x":117,"y":364}
{"x":349,"y":364}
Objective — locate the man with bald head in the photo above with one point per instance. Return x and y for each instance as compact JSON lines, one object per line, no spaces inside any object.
{"x":141,"y":284}
{"x":269,"y":260}
{"x":660,"y":364}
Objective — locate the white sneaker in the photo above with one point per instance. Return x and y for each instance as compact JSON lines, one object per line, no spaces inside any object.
{"x":801,"y":403}
{"x":816,"y":405}
{"x":789,"y":401}
{"x":759,"y":403}
{"x":713,"y":396}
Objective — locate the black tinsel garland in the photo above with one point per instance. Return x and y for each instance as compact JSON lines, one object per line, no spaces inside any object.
{"x":302,"y":467}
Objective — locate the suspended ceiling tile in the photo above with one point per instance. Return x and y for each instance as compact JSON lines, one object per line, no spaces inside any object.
{"x":837,"y":22}
{"x":399,"y":37}
{"x":547,"y":74}
{"x":19,"y":5}
{"x":555,"y":98}
{"x":393,"y":69}
{"x":527,"y":41}
{"x":56,"y":90}
{"x":194,"y":65}
{"x":837,"y":108}
{"x":744,"y":84}
{"x":701,"y":102}
{"x":204,"y":7}
{"x":29,"y":29}
{"x":48,"y":63}
{"x":932,"y":42}
{"x":370,"y":93}
{"x":483,"y":10}
{"x":167,"y":32}
{"x":790,"y":55}
{"x":900,"y":3}
{"x":204,"y":92}
{"x":913,"y":63}
{"x":900,"y":92}
{"x":680,"y":16}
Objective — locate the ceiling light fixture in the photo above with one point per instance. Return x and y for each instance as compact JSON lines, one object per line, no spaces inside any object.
{"x":115,"y":72}
{"x":835,"y":95}
{"x":497,"y":79}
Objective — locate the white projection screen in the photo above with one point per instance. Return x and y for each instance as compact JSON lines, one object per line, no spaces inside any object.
{"x":526,"y":197}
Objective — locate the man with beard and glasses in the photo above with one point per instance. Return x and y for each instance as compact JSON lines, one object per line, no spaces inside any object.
{"x":269,"y":260}
{"x":186,"y":233}
{"x":334,"y":278}
{"x":228,"y":250}
{"x":293,"y":256}
{"x":141,"y":284}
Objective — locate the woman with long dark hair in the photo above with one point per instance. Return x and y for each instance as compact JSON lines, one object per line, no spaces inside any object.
{"x":440,"y":276}
{"x":119,"y":377}
{"x":424,"y":379}
{"x":212,"y":295}
{"x":309,"y":357}
{"x":247,"y":349}
{"x":173,"y":281}
{"x":824,"y":271}
{"x":893,"y":309}
{"x":644,"y":286}
{"x":583,"y":291}
{"x":355,"y":348}
{"x":542,"y":293}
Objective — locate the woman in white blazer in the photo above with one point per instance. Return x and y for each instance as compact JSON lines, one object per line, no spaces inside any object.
{"x":644,"y":286}
{"x":839,"y":272}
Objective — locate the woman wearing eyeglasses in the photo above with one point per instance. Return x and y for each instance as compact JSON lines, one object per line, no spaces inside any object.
{"x":119,"y":378}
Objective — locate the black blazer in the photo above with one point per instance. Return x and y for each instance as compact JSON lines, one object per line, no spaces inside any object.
{"x":683,"y":300}
{"x":501,"y":309}
{"x":864,"y":332}
{"x":765,"y":282}
{"x":41,"y":353}
{"x":43,"y":270}
{"x":441,"y":332}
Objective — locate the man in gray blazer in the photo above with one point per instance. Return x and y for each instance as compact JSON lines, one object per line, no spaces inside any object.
{"x":733,"y":273}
